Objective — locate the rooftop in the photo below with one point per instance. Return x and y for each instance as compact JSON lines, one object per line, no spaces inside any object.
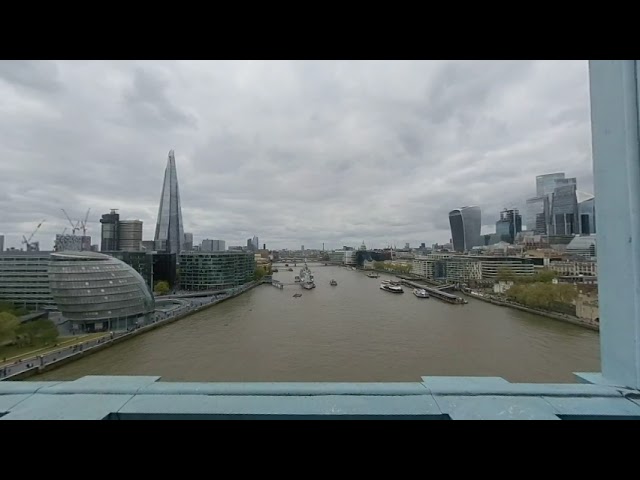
{"x":84,"y":255}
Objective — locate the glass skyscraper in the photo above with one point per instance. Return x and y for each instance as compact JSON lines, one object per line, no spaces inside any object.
{"x":169,"y":230}
{"x":536,"y":215}
{"x":465,"y":224}
{"x":546,"y":184}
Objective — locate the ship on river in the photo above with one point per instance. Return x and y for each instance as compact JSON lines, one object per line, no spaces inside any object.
{"x":306,"y":278}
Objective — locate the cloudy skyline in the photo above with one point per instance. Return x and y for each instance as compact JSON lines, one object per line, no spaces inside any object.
{"x":298,"y":153}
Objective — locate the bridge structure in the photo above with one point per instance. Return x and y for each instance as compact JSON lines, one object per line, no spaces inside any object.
{"x":612,"y":393}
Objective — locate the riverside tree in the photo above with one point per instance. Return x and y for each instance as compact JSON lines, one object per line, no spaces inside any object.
{"x":162,"y":288}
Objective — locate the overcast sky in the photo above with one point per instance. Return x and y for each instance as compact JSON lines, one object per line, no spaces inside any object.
{"x":298,"y":153}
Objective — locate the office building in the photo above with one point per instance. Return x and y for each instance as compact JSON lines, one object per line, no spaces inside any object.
{"x":129,"y":235}
{"x":1,"y":243}
{"x":215,"y":270}
{"x":169,"y":235}
{"x":584,"y":246}
{"x":188,"y":242}
{"x":564,"y":210}
{"x":213,"y":246}
{"x":97,"y":292}
{"x":586,"y":213}
{"x":24,"y":279}
{"x":140,"y":261}
{"x":509,"y":225}
{"x":148,"y":245}
{"x":536,"y":215}
{"x":109,"y":233}
{"x":465,"y":224}
{"x":546,"y":184}
{"x":72,"y":243}
{"x":517,"y":266}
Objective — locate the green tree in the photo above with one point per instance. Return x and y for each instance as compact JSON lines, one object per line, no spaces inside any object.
{"x":162,"y":288}
{"x":38,"y":332}
{"x":258,"y":273}
{"x":545,"y":276}
{"x":9,"y":323}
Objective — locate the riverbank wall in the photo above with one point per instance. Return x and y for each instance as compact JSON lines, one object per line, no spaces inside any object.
{"x":543,"y":313}
{"x":126,"y":336}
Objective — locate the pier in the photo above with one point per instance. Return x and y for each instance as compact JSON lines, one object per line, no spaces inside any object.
{"x":434,"y":292}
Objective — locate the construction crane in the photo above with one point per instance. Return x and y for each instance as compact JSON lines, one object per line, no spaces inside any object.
{"x":84,"y":224}
{"x":27,"y":241}
{"x":75,"y":227}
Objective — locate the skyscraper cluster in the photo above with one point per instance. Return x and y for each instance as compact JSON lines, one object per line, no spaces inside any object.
{"x":559,"y":208}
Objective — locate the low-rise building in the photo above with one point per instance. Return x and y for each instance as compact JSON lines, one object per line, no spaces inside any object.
{"x":448,"y":267}
{"x":517,"y":266}
{"x":466,"y":268}
{"x":343,"y":257}
{"x":575,"y":268}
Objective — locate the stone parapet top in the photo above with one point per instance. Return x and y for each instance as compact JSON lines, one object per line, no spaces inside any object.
{"x":457,"y":398}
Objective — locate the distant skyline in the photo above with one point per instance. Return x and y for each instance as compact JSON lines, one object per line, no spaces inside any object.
{"x":294,"y":152}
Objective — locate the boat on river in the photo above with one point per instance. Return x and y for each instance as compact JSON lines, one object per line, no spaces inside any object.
{"x":391,"y":288}
{"x":420,"y":293}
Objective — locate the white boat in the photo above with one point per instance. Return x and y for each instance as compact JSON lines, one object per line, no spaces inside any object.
{"x":391,"y":288}
{"x":373,"y":275}
{"x":420,"y":293}
{"x":333,"y":283}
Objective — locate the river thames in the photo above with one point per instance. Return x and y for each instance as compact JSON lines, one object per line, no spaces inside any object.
{"x":353,"y":332}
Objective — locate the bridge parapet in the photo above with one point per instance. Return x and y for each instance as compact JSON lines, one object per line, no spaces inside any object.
{"x":432,"y":398}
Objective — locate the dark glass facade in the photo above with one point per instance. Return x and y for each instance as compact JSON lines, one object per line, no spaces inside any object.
{"x":564,"y":210}
{"x":109,"y":236}
{"x":371,"y":256}
{"x":465,"y":225}
{"x":215,"y":270}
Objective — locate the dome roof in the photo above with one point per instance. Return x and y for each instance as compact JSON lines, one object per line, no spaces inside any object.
{"x":92,"y":286}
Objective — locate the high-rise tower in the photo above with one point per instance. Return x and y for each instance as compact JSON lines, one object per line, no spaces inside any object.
{"x":465,"y":228}
{"x":169,"y":230}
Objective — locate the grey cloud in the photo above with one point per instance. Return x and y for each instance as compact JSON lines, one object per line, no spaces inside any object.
{"x":294,"y":152}
{"x":32,"y":74}
{"x":148,"y":101}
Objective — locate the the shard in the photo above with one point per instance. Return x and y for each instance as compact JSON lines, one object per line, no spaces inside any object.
{"x":169,"y":230}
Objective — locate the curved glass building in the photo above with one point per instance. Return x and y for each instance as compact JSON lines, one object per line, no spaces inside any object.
{"x":465,"y":224}
{"x":97,"y":292}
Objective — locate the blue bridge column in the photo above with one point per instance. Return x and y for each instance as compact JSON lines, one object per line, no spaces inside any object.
{"x":616,"y":161}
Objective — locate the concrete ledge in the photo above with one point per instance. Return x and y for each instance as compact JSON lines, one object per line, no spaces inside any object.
{"x":495,"y":386}
{"x":284,"y":406}
{"x":456,"y":398}
{"x":284,"y":389}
